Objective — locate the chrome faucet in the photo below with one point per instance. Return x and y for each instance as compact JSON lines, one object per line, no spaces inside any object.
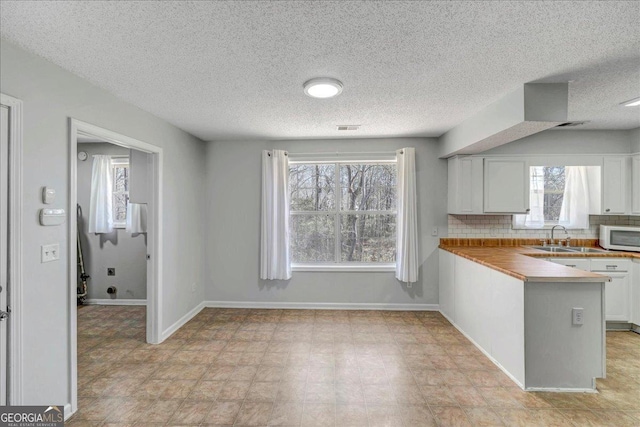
{"x":554,"y":228}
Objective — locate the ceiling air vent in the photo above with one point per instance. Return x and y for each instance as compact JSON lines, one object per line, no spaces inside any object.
{"x":348,"y":127}
{"x":570,"y":124}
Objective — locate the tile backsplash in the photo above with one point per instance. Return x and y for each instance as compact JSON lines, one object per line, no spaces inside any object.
{"x":476,"y":226}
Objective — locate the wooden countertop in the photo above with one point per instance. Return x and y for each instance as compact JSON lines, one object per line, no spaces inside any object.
{"x":521,"y":262}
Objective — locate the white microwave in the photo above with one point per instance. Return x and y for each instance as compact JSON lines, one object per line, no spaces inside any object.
{"x":620,"y":238}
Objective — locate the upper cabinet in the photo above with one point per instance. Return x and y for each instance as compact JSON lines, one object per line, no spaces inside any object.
{"x":635,"y":185}
{"x":614,"y":185}
{"x":465,"y":185}
{"x":506,"y":186}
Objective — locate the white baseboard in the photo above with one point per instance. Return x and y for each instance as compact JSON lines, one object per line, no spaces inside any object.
{"x":494,"y":361}
{"x":503,"y":369}
{"x":182,"y":321}
{"x":562,"y":390}
{"x":116,"y":301}
{"x":67,"y":411}
{"x":322,"y":305}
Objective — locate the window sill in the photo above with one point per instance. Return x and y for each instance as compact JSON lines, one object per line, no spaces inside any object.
{"x":345,"y":268}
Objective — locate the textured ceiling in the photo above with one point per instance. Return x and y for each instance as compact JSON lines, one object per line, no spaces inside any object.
{"x":234,"y":70}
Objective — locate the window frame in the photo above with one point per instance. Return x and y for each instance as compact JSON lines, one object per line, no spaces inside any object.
{"x":338,"y":213}
{"x":119,"y":162}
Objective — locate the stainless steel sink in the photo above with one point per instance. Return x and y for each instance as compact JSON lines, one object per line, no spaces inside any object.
{"x":587,"y":250}
{"x":562,"y":249}
{"x":552,"y":249}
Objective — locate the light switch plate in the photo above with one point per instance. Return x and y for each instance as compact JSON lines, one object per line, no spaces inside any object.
{"x":50,"y":252}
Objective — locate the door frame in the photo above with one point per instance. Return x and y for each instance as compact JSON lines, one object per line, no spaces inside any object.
{"x":154,"y":242}
{"x":14,"y":374}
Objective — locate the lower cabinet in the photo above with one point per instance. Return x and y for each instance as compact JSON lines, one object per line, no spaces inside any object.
{"x":618,"y":295}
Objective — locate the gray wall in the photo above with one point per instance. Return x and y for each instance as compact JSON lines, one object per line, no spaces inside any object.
{"x":233,"y":228}
{"x":569,"y":141}
{"x":120,"y":250}
{"x":51,"y":95}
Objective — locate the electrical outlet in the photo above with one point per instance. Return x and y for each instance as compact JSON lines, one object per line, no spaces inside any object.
{"x":578,"y":316}
{"x":111,"y":271}
{"x":50,"y":253}
{"x":193,"y":287}
{"x":434,"y":231}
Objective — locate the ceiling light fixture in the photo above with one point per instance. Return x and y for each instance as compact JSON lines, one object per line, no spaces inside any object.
{"x":632,"y":102}
{"x":322,"y":87}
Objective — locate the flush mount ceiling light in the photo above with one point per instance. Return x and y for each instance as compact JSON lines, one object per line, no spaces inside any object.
{"x":632,"y":102}
{"x":322,"y":87}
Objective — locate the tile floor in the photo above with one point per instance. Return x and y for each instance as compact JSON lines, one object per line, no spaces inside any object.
{"x":322,"y":368}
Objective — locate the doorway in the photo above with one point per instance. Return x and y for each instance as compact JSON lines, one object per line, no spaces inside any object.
{"x":4,"y":246}
{"x":10,"y":250}
{"x":80,"y":131}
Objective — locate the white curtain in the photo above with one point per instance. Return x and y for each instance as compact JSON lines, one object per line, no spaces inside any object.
{"x":407,"y":260}
{"x":101,"y":205}
{"x":535,"y":218}
{"x":275,"y":262}
{"x":574,"y":212}
{"x":136,"y":218}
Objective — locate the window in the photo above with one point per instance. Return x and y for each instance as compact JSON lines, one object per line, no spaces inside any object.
{"x":120,"y":168}
{"x":550,"y":182}
{"x":561,"y":195}
{"x":343,"y":213}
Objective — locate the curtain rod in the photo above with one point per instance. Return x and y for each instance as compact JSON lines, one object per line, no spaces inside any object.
{"x":113,"y":156}
{"x":324,"y":153}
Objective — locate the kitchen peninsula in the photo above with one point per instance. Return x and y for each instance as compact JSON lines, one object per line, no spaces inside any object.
{"x":542,"y":323}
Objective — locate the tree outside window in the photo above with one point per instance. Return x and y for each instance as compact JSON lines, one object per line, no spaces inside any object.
{"x":343,"y":212}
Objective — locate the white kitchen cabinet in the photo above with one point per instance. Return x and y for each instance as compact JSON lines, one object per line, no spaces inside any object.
{"x":618,"y":291}
{"x":580,"y":264}
{"x":465,"y":185}
{"x":615,"y":185}
{"x":506,"y":186}
{"x":619,"y":296}
{"x":635,"y":185}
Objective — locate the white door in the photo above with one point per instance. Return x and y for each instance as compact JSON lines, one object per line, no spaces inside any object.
{"x":4,"y":246}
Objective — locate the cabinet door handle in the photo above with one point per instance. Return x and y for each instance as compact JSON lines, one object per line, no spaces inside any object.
{"x":607,"y":210}
{"x":571,"y":265}
{"x":528,"y":210}
{"x":611,"y":267}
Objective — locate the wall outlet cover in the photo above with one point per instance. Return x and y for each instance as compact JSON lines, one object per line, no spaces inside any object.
{"x":577,"y":315}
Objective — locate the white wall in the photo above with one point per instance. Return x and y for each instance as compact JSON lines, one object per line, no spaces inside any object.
{"x":52,"y":95}
{"x":120,"y":250}
{"x":569,"y":141}
{"x":233,"y":228}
